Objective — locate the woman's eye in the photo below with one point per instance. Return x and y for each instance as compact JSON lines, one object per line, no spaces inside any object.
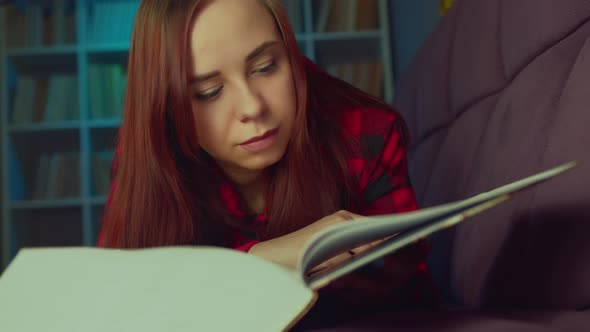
{"x":209,"y":95}
{"x":267,"y":68}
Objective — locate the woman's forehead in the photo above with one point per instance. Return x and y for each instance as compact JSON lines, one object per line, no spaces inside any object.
{"x":224,"y":28}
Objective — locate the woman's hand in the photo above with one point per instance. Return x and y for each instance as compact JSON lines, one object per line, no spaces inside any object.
{"x":356,"y":287}
{"x":286,"y":249}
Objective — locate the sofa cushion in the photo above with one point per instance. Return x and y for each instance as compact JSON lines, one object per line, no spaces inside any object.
{"x":467,"y":321}
{"x":500,"y":91}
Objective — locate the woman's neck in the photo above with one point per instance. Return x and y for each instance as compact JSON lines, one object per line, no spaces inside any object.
{"x":251,"y":185}
{"x":254,"y":196}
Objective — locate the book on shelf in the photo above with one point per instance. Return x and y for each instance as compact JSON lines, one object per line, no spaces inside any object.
{"x":347,"y":15}
{"x":42,"y":93}
{"x":111,"y":21}
{"x":63,"y":23}
{"x":107,"y":83}
{"x":41,"y":177}
{"x":367,"y":15}
{"x":24,"y":98}
{"x":16,"y":181}
{"x":198,"y":288}
{"x":101,"y":171}
{"x":367,"y":75}
{"x":294,"y":11}
{"x":57,"y":176}
{"x":62,"y":98}
{"x":322,"y":16}
{"x":50,"y":98}
{"x":34,"y":20}
{"x":16,"y":22}
{"x":41,"y":23}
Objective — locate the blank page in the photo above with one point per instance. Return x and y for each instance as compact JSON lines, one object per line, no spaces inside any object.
{"x":163,"y":289}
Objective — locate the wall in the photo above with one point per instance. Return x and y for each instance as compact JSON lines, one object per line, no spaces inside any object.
{"x":412,"y":21}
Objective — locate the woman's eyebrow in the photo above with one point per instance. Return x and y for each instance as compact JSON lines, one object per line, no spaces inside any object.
{"x":204,"y":77}
{"x":256,"y":52}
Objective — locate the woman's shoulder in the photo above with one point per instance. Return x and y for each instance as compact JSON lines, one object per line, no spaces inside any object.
{"x":368,"y":120}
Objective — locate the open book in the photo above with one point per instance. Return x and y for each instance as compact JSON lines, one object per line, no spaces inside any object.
{"x":206,"y":288}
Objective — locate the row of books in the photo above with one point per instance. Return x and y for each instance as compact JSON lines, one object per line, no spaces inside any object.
{"x":41,"y":23}
{"x":101,"y":171}
{"x":56,"y":98}
{"x":111,"y":20}
{"x":365,"y":75}
{"x":294,"y":11}
{"x":45,"y":99}
{"x":53,"y":23}
{"x":57,"y":175}
{"x":347,"y":15}
{"x":106,"y":83}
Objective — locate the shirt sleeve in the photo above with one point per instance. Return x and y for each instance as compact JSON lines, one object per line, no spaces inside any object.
{"x":246,"y":246}
{"x":385,"y":188}
{"x":384,"y":183}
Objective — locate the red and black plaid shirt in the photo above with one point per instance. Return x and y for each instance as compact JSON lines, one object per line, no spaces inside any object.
{"x":384,"y":185}
{"x":381,"y":168}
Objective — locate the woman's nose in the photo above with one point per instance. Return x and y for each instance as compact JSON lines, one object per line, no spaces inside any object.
{"x":251,"y":105}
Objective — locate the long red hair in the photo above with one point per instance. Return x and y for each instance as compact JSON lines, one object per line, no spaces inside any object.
{"x":165,"y":192}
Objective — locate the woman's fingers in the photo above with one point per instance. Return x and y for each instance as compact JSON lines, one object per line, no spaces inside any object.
{"x":365,"y":247}
{"x":368,"y":246}
{"x":345,"y":256}
{"x":329,"y":263}
{"x":345,"y":216}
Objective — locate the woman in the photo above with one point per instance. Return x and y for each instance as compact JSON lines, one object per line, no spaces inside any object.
{"x":232,"y":138}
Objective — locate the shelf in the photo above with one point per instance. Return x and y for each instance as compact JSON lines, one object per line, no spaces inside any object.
{"x":42,"y":135}
{"x":43,"y":51}
{"x":98,"y":201}
{"x":108,"y":53}
{"x":44,"y":126}
{"x":301,"y":37}
{"x":107,"y":48}
{"x":347,"y":35}
{"x":104,"y":123}
{"x":80,"y":145}
{"x":46,"y":204}
{"x":44,"y":60}
{"x":44,"y":64}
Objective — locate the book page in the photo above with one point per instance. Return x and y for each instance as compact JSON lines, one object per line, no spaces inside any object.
{"x":339,"y":238}
{"x":397,"y":242}
{"x":164,"y":289}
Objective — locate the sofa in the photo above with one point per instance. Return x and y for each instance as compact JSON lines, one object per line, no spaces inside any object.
{"x":499,"y":91}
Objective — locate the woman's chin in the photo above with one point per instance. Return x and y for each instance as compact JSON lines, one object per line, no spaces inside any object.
{"x":261,"y":161}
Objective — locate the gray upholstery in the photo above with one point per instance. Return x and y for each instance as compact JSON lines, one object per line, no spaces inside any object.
{"x":499,"y":91}
{"x":471,"y":321}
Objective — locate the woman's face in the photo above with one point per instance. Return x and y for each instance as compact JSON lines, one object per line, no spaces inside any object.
{"x":242,"y":88}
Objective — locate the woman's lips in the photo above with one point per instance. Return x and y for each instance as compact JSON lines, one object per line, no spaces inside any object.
{"x":262,"y":142}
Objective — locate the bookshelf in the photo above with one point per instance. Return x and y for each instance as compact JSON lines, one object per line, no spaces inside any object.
{"x":3,"y":98}
{"x":62,"y":84}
